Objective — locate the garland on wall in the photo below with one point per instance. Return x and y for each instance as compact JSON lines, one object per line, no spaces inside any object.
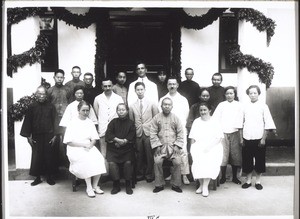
{"x":33,"y":55}
{"x":17,"y":111}
{"x":15,"y":15}
{"x":77,"y":20}
{"x":200,"y":22}
{"x":264,"y":70}
{"x":257,"y":19}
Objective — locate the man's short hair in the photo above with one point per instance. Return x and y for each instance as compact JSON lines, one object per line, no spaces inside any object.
{"x":88,"y":74}
{"x":217,"y":74}
{"x":118,"y":72}
{"x":166,"y":98}
{"x":139,"y":63}
{"x":106,"y":79}
{"x":59,"y":71}
{"x":138,"y":84}
{"x":76,"y":67}
{"x":188,"y":69}
{"x":173,"y":78}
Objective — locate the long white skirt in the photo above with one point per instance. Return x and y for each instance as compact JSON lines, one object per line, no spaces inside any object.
{"x":85,"y":163}
{"x":206,"y":165}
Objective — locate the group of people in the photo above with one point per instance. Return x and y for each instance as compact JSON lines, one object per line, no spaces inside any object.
{"x":126,"y":133}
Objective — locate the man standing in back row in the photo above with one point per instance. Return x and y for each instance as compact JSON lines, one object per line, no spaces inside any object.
{"x":76,"y":72}
{"x":189,"y":88}
{"x":151,"y":94}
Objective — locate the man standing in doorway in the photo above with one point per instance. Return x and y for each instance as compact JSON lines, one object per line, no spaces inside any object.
{"x":151,"y":94}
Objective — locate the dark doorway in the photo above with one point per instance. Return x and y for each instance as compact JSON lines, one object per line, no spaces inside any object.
{"x":139,"y":36}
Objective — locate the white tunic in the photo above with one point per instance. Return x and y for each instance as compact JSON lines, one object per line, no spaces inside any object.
{"x":207,"y":134}
{"x":84,"y":162}
{"x":71,"y":112}
{"x":230,"y":114}
{"x":257,"y":118}
{"x":105,"y":109}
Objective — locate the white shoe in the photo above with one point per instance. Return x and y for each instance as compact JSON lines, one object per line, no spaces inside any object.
{"x":205,"y":193}
{"x":97,"y":190}
{"x":199,"y":190}
{"x":90,"y":193}
{"x":185,"y":180}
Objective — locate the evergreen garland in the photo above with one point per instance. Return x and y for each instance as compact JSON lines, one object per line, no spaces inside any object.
{"x":264,"y":70}
{"x":200,"y":22}
{"x":17,"y":111}
{"x":79,"y":21}
{"x":33,"y":55}
{"x":257,"y":19}
{"x":15,"y":15}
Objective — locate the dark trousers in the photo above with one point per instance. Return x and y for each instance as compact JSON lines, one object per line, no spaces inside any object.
{"x":253,"y":157}
{"x":43,"y":159}
{"x":144,"y":157}
{"x":114,"y":170}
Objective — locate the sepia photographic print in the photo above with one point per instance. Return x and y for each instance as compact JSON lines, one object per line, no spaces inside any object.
{"x":150,"y":109}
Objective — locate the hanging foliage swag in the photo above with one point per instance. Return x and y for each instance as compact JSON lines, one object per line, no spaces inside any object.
{"x":100,"y":16}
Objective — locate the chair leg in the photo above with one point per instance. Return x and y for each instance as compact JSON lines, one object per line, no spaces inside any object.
{"x":214,"y":184}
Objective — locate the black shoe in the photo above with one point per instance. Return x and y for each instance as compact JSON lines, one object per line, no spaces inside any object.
{"x":115,"y":190}
{"x":176,"y":189}
{"x":246,"y":185}
{"x":36,"y":181}
{"x":51,"y":181}
{"x":149,"y":180}
{"x":222,"y":180}
{"x":258,"y":186}
{"x":128,"y":187}
{"x":158,"y":189}
{"x":129,"y":191}
{"x":236,"y":181}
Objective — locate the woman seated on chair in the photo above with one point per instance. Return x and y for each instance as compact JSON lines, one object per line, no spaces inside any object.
{"x":86,"y":162}
{"x":206,"y":148}
{"x":120,"y":136}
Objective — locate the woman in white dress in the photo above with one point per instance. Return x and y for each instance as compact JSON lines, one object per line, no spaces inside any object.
{"x":206,"y":149}
{"x":71,"y":110}
{"x":86,"y":162}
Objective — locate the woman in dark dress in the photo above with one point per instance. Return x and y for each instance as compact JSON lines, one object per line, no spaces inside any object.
{"x":120,"y":136}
